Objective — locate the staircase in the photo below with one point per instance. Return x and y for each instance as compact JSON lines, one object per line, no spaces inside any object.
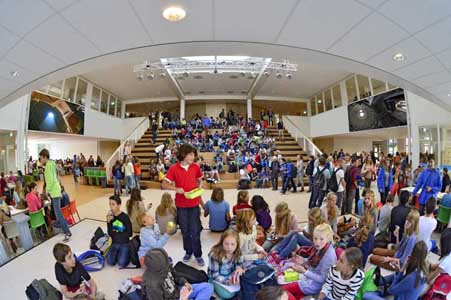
{"x":144,"y":150}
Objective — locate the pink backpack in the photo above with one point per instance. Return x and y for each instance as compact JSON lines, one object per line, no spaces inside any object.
{"x":440,"y":289}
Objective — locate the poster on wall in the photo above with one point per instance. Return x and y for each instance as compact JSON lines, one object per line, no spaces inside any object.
{"x":385,"y":110}
{"x":52,"y":114}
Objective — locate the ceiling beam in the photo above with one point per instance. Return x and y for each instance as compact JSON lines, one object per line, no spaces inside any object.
{"x":150,"y":100}
{"x":257,"y":84}
{"x":174,"y":85}
{"x":280,"y":98}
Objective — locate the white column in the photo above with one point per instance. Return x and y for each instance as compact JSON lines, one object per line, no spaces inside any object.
{"x":21,"y":134}
{"x":182,"y":108}
{"x":249,"y":108}
{"x":123,"y":109}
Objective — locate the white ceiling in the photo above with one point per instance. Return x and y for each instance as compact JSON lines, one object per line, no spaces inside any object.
{"x":46,"y":40}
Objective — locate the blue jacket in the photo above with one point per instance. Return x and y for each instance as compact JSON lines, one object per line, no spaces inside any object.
{"x":290,"y":168}
{"x":431,"y":178}
{"x":381,"y":180}
{"x":405,"y":247}
{"x":150,"y":239}
{"x":403,"y":287}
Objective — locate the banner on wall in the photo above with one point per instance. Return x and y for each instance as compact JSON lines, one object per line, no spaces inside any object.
{"x":52,"y":114}
{"x":385,"y":110}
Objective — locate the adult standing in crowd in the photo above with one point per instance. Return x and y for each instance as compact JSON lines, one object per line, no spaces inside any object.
{"x":52,"y":186}
{"x":275,"y":166}
{"x":154,"y":132}
{"x":430,"y":184}
{"x":185,"y":176}
{"x":351,"y":185}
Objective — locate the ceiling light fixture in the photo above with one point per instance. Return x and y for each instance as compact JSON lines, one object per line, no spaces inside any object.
{"x":14,"y":73}
{"x":266,"y":73}
{"x":449,"y":95}
{"x":289,"y":76}
{"x":186,"y":74}
{"x":305,"y":112}
{"x":140,"y":77}
{"x":174,"y":13}
{"x":163,"y":75}
{"x":398,"y":57}
{"x":150,"y":76}
{"x":279,"y":75}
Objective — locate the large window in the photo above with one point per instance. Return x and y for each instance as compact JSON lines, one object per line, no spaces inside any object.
{"x":69,"y":89}
{"x":378,"y":86}
{"x":104,"y":102}
{"x":336,"y":93}
{"x":328,"y":99}
{"x":95,"y":99}
{"x":112,"y":106}
{"x":320,"y":103}
{"x":56,"y":89}
{"x":118,"y":108}
{"x":351,"y":89}
{"x":82,"y":90}
{"x":364,"y":86}
{"x":313,"y":106}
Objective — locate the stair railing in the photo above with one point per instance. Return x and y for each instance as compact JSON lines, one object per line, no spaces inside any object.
{"x":298,"y":134}
{"x":132,"y":139}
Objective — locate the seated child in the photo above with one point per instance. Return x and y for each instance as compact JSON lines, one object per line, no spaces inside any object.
{"x":161,"y":282}
{"x":272,"y":293}
{"x":364,"y":238}
{"x":247,"y":232}
{"x":120,"y":231}
{"x":242,"y":202}
{"x":388,"y":258}
{"x":74,"y":281}
{"x":286,"y":222}
{"x":261,"y":210}
{"x":444,"y":265}
{"x":33,"y":201}
{"x":65,"y":200}
{"x":150,"y":236}
{"x":314,"y":269}
{"x":225,"y":264}
{"x":166,"y":211}
{"x":344,"y":279}
{"x":213,"y":175}
{"x":219,"y":211}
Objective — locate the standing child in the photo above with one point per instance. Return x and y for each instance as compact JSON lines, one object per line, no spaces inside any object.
{"x":225,"y":264}
{"x":166,"y":211}
{"x":74,"y":281}
{"x":135,"y":208}
{"x":161,"y":282}
{"x":345,"y":278}
{"x":262,"y":213}
{"x":314,"y":269}
{"x":150,"y":235}
{"x":117,"y":176}
{"x":247,"y":232}
{"x":120,"y":231}
{"x":219,"y":211}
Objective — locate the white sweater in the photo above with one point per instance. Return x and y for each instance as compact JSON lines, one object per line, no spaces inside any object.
{"x":249,"y":246}
{"x":128,"y":169}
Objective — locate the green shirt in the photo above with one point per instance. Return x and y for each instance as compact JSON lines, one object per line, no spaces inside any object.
{"x":52,"y":185}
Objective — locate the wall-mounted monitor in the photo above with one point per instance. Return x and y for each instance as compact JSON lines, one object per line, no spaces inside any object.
{"x":52,"y":114}
{"x":388,"y":109}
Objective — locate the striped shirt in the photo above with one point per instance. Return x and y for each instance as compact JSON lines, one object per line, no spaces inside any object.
{"x":336,"y":288}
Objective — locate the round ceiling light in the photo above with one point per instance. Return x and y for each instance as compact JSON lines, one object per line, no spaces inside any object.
{"x":399,"y":57}
{"x":174,"y":13}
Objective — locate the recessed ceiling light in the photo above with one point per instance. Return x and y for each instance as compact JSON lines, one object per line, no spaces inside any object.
{"x":449,"y":95}
{"x":398,"y":57}
{"x":14,"y":73}
{"x":305,"y":112}
{"x":174,"y":13}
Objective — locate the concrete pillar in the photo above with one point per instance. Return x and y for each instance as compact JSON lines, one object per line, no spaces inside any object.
{"x":249,"y":108}
{"x":182,"y":109}
{"x":21,"y":134}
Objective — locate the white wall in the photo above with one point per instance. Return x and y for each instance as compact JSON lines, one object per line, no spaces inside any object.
{"x":101,"y":125}
{"x":65,"y":149}
{"x":352,"y":145}
{"x":213,"y":109}
{"x":331,"y":122}
{"x":302,"y":123}
{"x":128,"y":125}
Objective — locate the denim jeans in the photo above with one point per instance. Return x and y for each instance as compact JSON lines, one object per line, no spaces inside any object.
{"x":289,"y":244}
{"x":119,"y":254}
{"x":201,"y":291}
{"x":310,"y":182}
{"x":189,"y":220}
{"x":300,"y":180}
{"x":373,"y":296}
{"x":117,"y":185}
{"x":137,"y":179}
{"x":60,"y":221}
{"x":347,"y":203}
{"x":274,"y":182}
{"x":128,"y":184}
{"x":339,"y":199}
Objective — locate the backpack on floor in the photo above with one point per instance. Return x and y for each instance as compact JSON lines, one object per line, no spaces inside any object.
{"x":92,"y":260}
{"x":130,"y":291}
{"x":133,"y":247}
{"x":255,"y":279}
{"x":100,"y":241}
{"x":371,"y":282}
{"x":440,"y":289}
{"x":191,"y":274}
{"x":42,"y":290}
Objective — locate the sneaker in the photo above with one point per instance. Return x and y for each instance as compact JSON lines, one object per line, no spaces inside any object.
{"x":200,"y":261}
{"x":66,"y":238}
{"x":187,"y":257}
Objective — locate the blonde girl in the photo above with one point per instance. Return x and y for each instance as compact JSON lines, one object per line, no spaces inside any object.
{"x":166,"y":211}
{"x":388,"y":258}
{"x":369,"y":207}
{"x":329,"y":210}
{"x":286,"y":221}
{"x":247,"y":232}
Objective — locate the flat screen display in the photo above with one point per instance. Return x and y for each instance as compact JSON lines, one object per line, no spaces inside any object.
{"x":385,"y":110}
{"x":52,"y":114}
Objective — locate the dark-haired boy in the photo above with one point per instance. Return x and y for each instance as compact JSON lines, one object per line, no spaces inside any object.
{"x":120,"y":231}
{"x":74,"y":281}
{"x":185,"y":176}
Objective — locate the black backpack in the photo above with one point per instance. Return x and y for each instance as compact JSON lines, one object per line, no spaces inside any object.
{"x":192,"y":275}
{"x":332,"y":185}
{"x":42,"y":290}
{"x":310,"y":168}
{"x":255,"y":279}
{"x":294,"y":171}
{"x":133,"y":247}
{"x":320,"y":179}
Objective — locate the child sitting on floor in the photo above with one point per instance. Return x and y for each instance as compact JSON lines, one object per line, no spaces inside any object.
{"x":219,"y":211}
{"x":150,"y":236}
{"x":161,"y":282}
{"x":166,"y":212}
{"x":247,"y":232}
{"x":345,"y":278}
{"x":74,"y":281}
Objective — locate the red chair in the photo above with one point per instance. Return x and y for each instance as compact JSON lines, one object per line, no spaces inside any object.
{"x":67,"y":215}
{"x":74,"y":210}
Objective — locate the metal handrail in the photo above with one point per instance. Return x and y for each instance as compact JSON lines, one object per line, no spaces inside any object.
{"x":303,"y":136}
{"x":132,"y":138}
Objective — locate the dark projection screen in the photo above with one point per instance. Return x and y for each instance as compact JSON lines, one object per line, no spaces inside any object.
{"x":381,"y":111}
{"x":52,"y":114}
